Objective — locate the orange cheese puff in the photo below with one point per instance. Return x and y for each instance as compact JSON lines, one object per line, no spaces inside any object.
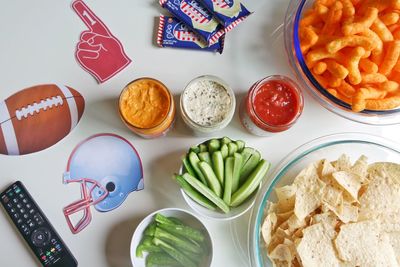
{"x":375,"y":38}
{"x":352,"y":65}
{"x":360,"y":97}
{"x":348,"y":9}
{"x":324,"y":39}
{"x":364,"y":23}
{"x":319,"y":68}
{"x":344,"y":98}
{"x":346,"y":89}
{"x":317,"y":54}
{"x":389,"y":86}
{"x":391,"y":58}
{"x":321,"y":9}
{"x":393,"y":28}
{"x":367,"y":54}
{"x":352,"y":41}
{"x":390,"y":18}
{"x":327,"y":3}
{"x":383,"y":104}
{"x":356,"y":2}
{"x":308,"y":38}
{"x":336,"y":69}
{"x":322,"y":80}
{"x":383,"y":32}
{"x":373,"y":78}
{"x":332,"y":92}
{"x":333,"y":18}
{"x":368,"y":66}
{"x":379,"y":4}
{"x":332,"y":80}
{"x":310,"y":19}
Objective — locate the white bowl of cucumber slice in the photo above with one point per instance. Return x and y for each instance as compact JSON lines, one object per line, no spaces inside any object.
{"x":220,"y":178}
{"x":171,"y":237}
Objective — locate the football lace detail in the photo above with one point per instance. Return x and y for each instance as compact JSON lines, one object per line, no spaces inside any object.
{"x":37,"y":107}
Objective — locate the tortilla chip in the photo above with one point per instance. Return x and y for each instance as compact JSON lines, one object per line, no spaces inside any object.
{"x":282,"y":252}
{"x":391,"y":169}
{"x":326,"y":169}
{"x":381,"y":197}
{"x":283,"y":217}
{"x":360,"y":167}
{"x":332,"y":195}
{"x":309,"y":191}
{"x":268,"y":227}
{"x":316,"y":247}
{"x":295,"y":223}
{"x":362,"y":244}
{"x":343,"y":163}
{"x":286,"y":198}
{"x":350,"y":182}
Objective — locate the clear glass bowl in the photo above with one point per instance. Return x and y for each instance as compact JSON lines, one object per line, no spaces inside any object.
{"x":329,"y":147}
{"x":305,"y":78}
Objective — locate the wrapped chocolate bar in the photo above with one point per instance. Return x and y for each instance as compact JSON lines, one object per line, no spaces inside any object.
{"x":196,"y":17}
{"x":174,"y":33}
{"x":229,"y":12}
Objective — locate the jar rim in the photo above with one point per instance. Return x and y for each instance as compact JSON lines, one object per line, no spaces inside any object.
{"x":170,"y":108}
{"x":228,"y":89}
{"x":280,"y":78}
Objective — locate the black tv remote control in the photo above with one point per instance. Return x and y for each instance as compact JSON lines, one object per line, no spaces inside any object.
{"x":35,"y":228}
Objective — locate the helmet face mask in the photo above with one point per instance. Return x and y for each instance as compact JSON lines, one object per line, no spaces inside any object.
{"x":108,"y":168}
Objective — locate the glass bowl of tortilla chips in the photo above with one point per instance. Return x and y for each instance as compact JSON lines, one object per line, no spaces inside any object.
{"x":331,"y":202}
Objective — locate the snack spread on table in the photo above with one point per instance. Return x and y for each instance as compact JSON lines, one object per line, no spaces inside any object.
{"x":336,"y":214}
{"x":171,"y":242}
{"x":353,"y":50}
{"x":333,"y":214}
{"x":221,"y":173}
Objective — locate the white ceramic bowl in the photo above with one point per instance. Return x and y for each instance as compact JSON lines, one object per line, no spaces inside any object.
{"x":187,"y":217}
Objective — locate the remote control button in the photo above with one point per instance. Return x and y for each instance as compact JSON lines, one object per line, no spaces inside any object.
{"x":5,"y":199}
{"x":10,"y":194}
{"x":12,"y":210}
{"x":19,"y":221}
{"x":15,"y":200}
{"x":32,"y":224}
{"x":25,"y":200}
{"x":19,"y":206}
{"x":28,"y":206}
{"x":17,"y":190}
{"x":26,"y":216}
{"x":16,"y":215}
{"x":21,"y":195}
{"x":9,"y":205}
{"x":31,"y":211}
{"x":22,"y":211}
{"x":40,"y":237}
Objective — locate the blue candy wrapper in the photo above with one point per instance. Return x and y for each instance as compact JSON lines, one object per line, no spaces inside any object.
{"x":229,"y":12}
{"x":196,"y":17}
{"x":174,"y":33}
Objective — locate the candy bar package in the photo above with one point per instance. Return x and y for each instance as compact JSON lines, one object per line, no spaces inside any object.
{"x":174,"y":33}
{"x":196,"y":17}
{"x":229,"y":12}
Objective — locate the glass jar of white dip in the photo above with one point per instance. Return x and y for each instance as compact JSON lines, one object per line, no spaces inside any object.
{"x":207,"y":104}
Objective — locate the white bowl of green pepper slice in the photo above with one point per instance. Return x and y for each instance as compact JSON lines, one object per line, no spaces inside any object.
{"x":220,"y":178}
{"x":171,"y":237}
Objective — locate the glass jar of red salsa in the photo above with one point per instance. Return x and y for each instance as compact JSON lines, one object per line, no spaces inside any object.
{"x":272,"y":105}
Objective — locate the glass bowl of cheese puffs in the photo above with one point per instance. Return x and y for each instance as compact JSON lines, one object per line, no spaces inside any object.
{"x":346,"y":53}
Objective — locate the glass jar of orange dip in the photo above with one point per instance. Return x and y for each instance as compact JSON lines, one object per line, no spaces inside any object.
{"x":147,"y":107}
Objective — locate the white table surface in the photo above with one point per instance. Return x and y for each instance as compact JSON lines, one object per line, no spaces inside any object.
{"x":37,"y":46}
